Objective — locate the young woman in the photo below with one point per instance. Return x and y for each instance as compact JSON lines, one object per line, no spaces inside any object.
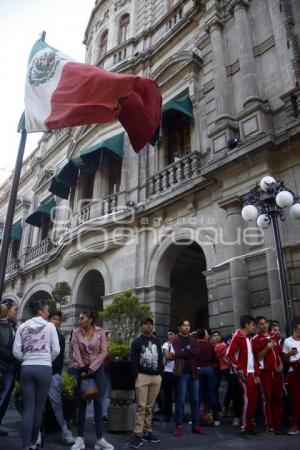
{"x":36,"y":346}
{"x":89,"y":352}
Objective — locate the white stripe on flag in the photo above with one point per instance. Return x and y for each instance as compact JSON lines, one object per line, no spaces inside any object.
{"x":38,"y":98}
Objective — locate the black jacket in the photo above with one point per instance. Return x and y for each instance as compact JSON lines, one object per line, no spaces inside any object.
{"x":58,"y":363}
{"x":7,"y":360}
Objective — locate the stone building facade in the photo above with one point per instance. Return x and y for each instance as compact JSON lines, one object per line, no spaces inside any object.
{"x":166,"y":223}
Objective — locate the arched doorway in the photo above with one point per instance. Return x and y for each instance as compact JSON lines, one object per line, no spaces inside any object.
{"x":180,"y":270}
{"x":38,"y":295}
{"x":188,"y":287}
{"x":91,"y":291}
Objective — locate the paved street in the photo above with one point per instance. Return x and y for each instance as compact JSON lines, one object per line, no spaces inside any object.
{"x":224,"y":437}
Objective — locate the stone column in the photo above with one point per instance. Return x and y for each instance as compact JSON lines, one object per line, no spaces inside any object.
{"x":250,"y":89}
{"x":238,"y":266}
{"x":221,"y":84}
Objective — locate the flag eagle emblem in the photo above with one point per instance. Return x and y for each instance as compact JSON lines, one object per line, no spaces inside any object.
{"x":43,"y":67}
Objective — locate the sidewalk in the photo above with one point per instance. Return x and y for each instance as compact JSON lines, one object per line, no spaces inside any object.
{"x":222,"y":437}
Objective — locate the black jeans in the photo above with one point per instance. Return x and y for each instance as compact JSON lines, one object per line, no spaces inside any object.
{"x":101,"y":382}
{"x":168,"y":387}
{"x":234,"y":393}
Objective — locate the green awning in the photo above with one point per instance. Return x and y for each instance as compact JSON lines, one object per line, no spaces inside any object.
{"x":35,"y":218}
{"x":114,"y":144}
{"x":16,"y":231}
{"x":181,"y":104}
{"x":59,"y":188}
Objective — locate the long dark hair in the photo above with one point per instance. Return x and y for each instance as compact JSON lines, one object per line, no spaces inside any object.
{"x":37,"y":306}
{"x":90,"y":315}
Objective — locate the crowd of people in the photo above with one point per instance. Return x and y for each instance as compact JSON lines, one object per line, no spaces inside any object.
{"x":254,"y":369}
{"x":259,"y":368}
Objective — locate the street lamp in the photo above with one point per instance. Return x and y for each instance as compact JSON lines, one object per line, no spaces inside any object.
{"x":265,"y":203}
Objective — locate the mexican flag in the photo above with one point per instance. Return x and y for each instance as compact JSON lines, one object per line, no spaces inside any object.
{"x":61,"y":92}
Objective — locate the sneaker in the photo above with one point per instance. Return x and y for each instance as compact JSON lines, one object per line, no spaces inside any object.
{"x":68,"y":437}
{"x":236,"y":422}
{"x":198,"y":430}
{"x":136,"y":441}
{"x":149,"y":437}
{"x":217,"y":423}
{"x":293,"y":431}
{"x":102,"y":444}
{"x":177,"y":431}
{"x":78,"y":444}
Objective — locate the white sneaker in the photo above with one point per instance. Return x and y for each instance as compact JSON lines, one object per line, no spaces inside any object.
{"x":102,"y":444}
{"x":236,"y":422}
{"x":217,"y":423}
{"x":68,"y":437}
{"x":79,"y":444}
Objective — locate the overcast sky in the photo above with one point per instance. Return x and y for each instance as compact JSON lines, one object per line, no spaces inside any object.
{"x":21,"y":23}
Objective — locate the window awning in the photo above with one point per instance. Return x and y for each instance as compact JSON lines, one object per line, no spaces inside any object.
{"x":113,"y":144}
{"x":66,"y":178}
{"x":16,"y":231}
{"x":181,"y":104}
{"x":59,"y":188}
{"x":35,"y":218}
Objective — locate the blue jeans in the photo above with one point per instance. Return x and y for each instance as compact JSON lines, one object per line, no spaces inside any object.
{"x":207,"y":380}
{"x":185,"y":382}
{"x":7,"y":378}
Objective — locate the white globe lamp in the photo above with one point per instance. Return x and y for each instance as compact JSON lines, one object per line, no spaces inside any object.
{"x":249,"y":212}
{"x":295,"y":211}
{"x":266,"y":183}
{"x":263,"y":221}
{"x":284,"y":199}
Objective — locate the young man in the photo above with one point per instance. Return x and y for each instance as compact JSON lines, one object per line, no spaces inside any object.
{"x":8,"y":320}
{"x":240,"y":356}
{"x":267,"y":352}
{"x":147,"y":367}
{"x":55,"y":388}
{"x":169,"y":381}
{"x":185,"y":347}
{"x":291,"y":353}
{"x":206,"y":359}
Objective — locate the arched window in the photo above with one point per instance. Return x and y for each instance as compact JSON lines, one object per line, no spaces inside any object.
{"x":124,"y":28}
{"x":103,"y":43}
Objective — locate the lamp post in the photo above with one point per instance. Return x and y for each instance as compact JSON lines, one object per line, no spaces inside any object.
{"x":265,"y":203}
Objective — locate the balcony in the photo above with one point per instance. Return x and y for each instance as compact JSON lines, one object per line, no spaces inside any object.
{"x":12,"y":265}
{"x":101,"y":208}
{"x":175,"y":174}
{"x":38,"y":250}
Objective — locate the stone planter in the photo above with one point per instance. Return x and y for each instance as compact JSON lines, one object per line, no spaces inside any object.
{"x":121,"y":412}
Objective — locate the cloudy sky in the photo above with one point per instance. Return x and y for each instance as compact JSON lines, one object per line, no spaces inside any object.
{"x":21,"y":23}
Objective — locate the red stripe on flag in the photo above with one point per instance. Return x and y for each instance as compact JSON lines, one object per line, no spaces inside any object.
{"x":141,"y":112}
{"x":85,"y":95}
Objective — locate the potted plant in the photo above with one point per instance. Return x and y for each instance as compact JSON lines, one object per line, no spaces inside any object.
{"x":122,"y":317}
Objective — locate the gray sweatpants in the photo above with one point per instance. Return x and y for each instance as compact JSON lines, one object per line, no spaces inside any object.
{"x":35,"y":383}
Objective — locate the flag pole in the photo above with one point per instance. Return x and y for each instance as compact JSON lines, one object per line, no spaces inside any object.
{"x":11,"y":210}
{"x":11,"y":204}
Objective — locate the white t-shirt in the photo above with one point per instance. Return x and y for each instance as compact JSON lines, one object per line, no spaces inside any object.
{"x":289,"y":343}
{"x":250,"y":364}
{"x":169,"y":365}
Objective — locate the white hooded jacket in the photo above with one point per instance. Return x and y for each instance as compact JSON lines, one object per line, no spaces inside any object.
{"x":36,"y":343}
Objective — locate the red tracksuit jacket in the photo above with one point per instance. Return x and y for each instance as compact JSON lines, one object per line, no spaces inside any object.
{"x":271,"y":361}
{"x":237,"y":353}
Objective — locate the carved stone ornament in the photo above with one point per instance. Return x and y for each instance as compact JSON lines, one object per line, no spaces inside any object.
{"x":102,"y":19}
{"x":120,"y":3}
